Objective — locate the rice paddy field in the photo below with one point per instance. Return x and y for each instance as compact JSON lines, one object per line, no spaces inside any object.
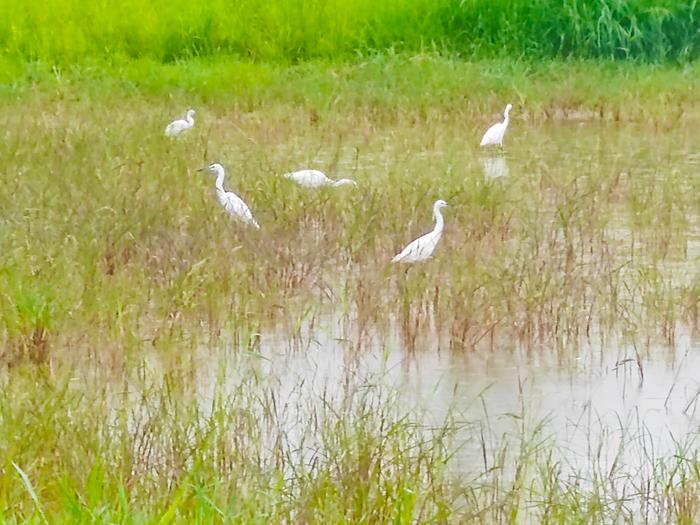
{"x":163,"y":363}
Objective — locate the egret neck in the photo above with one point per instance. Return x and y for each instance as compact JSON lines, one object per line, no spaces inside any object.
{"x":439,"y":221}
{"x":344,"y":182}
{"x":219,"y":178}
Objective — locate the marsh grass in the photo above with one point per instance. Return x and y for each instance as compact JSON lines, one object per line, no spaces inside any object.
{"x":155,"y":452}
{"x":116,"y":260}
{"x":108,"y":225}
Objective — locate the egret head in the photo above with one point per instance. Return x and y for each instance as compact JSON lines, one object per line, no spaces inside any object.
{"x":440,"y":204}
{"x":508,"y":108}
{"x":215,"y":168}
{"x":190,"y":113}
{"x":345,"y":182}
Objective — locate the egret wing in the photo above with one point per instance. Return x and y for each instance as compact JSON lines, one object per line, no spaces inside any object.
{"x":308,"y":178}
{"x":493,"y":135}
{"x":175,"y":127}
{"x":235,"y":206}
{"x":421,"y":248}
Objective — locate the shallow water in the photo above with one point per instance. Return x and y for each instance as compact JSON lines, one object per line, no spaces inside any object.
{"x":609,"y":397}
{"x":597,"y":408}
{"x":616,"y":394}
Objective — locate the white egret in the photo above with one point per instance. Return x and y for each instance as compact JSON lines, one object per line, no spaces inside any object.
{"x":178,"y":126}
{"x":494,"y":135}
{"x":422,"y":248}
{"x":231,"y":202}
{"x":316,"y":179}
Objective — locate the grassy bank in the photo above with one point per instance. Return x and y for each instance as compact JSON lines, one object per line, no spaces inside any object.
{"x":384,"y":85}
{"x":65,"y":31}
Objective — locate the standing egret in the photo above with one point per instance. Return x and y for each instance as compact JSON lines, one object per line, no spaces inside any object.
{"x":231,"y":202}
{"x":316,"y":179}
{"x":494,"y":135}
{"x":178,"y":126}
{"x":423,"y":247}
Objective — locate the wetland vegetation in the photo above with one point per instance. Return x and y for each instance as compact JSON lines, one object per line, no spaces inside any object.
{"x":161,"y":363}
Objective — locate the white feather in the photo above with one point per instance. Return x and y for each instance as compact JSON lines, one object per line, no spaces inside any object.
{"x":315,"y":179}
{"x":232,"y":203}
{"x":494,"y":135}
{"x":423,"y":247}
{"x":178,"y":126}
{"x":235,"y":206}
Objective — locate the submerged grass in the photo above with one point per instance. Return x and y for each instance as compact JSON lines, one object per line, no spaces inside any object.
{"x":157,"y":454}
{"x":142,"y":448}
{"x":64,"y":31}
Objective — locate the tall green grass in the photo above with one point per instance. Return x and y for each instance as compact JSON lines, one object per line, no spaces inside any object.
{"x":65,"y":31}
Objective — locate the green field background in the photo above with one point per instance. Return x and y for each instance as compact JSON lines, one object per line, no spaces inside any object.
{"x":67,"y":31}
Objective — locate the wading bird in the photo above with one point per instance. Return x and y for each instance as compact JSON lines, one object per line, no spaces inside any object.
{"x":178,"y":126}
{"x":316,"y":179}
{"x":231,"y":202}
{"x":494,"y":135}
{"x":422,"y":248}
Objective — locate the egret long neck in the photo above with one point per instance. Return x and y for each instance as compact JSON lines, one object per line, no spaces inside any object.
{"x":506,"y":117}
{"x":439,"y":221}
{"x":220,"y":180}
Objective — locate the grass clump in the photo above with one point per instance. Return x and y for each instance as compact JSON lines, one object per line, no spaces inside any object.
{"x":28,"y":315}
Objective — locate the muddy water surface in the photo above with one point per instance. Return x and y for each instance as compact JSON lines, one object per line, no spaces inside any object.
{"x":609,"y":395}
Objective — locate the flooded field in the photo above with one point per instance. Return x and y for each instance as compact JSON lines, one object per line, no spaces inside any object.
{"x":551,"y":341}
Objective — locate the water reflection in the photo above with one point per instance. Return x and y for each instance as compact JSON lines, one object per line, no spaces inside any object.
{"x":494,"y":167}
{"x":610,"y":403}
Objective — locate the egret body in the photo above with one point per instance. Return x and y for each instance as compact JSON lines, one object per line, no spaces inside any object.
{"x":231,"y":202}
{"x":178,"y":126}
{"x":423,"y":247}
{"x":494,"y":135}
{"x":316,"y":179}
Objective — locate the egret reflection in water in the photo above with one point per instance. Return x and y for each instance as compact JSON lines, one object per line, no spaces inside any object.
{"x":494,"y":167}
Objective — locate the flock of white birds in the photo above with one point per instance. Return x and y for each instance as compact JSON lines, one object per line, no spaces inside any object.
{"x":420,"y":249}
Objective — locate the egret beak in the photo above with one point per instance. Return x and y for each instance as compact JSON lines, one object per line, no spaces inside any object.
{"x":201,"y":169}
